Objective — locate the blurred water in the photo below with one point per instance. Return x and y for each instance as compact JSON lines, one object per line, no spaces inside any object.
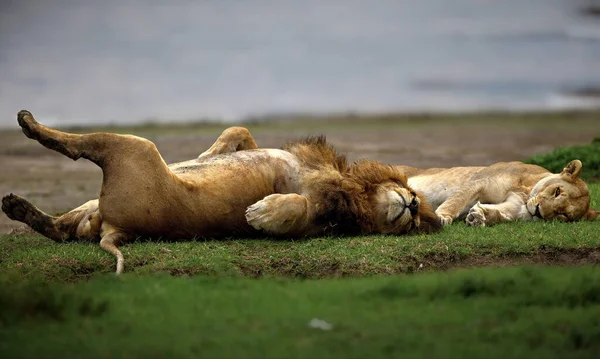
{"x":126,"y":61}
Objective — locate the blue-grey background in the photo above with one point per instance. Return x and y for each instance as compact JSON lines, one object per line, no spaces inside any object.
{"x":90,"y":61}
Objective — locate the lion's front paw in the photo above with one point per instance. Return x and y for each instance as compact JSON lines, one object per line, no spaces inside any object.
{"x":278,"y":213}
{"x":476,"y":217}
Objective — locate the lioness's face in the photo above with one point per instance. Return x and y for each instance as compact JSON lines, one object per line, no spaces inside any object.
{"x":561,"y":196}
{"x":399,"y":210}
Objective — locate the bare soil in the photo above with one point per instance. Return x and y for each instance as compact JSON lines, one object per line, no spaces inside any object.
{"x":57,"y":184}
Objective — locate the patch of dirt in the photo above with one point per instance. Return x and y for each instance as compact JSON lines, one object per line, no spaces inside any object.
{"x":333,"y":268}
{"x":189,"y":270}
{"x":554,"y":256}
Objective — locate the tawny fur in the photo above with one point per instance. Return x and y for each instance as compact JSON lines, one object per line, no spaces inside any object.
{"x":232,"y":189}
{"x":485,"y":195}
{"x":502,"y":192}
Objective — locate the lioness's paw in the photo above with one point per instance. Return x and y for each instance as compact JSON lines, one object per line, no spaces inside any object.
{"x":445,"y":220}
{"x":277,"y":213}
{"x":476,"y":217}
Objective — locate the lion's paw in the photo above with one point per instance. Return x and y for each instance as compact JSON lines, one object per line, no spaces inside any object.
{"x":277,"y":213}
{"x":476,"y":217}
{"x":15,"y":207}
{"x":27,"y":123}
{"x":19,"y":209}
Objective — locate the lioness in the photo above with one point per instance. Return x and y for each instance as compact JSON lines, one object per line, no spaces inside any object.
{"x":504,"y":191}
{"x":304,"y":189}
{"x":487,"y":195}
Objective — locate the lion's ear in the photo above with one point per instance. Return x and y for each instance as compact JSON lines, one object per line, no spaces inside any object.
{"x":573,"y":169}
{"x":591,"y":215}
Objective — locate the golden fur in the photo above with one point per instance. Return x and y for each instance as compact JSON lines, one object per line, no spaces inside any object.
{"x":485,"y":195}
{"x":233,"y":189}
{"x":505,"y":191}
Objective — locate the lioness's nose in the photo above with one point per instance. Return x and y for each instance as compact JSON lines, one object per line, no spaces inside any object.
{"x":413,"y":206}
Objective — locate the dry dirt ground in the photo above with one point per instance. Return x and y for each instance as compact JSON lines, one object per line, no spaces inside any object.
{"x":57,"y":184}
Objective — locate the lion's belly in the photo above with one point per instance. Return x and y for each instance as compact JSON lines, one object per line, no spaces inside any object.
{"x":208,"y":197}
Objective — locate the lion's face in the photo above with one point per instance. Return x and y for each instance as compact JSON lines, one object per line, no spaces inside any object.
{"x":399,"y":210}
{"x":562,"y":196}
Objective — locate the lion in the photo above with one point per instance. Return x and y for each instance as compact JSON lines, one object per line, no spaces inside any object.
{"x":502,"y":192}
{"x":234,"y":189}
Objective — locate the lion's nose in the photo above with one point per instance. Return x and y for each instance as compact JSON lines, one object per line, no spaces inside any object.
{"x":413,"y":206}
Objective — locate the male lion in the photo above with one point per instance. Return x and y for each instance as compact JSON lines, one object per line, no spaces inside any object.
{"x":502,"y":192}
{"x":304,"y":189}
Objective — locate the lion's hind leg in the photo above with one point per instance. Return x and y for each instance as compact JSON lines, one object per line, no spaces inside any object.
{"x":19,"y":209}
{"x":62,"y":142}
{"x":100,"y":148}
{"x":133,"y":171}
{"x":81,"y":223}
{"x":232,"y":139}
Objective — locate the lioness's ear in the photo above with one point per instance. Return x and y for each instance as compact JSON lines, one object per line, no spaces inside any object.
{"x":591,"y":215}
{"x":573,"y":169}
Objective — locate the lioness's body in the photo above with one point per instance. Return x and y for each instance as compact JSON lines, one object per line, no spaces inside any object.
{"x":504,"y":191}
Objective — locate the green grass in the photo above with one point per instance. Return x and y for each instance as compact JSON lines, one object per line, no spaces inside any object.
{"x":455,"y":246}
{"x":250,"y":298}
{"x":529,"y":312}
{"x":556,"y":160}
